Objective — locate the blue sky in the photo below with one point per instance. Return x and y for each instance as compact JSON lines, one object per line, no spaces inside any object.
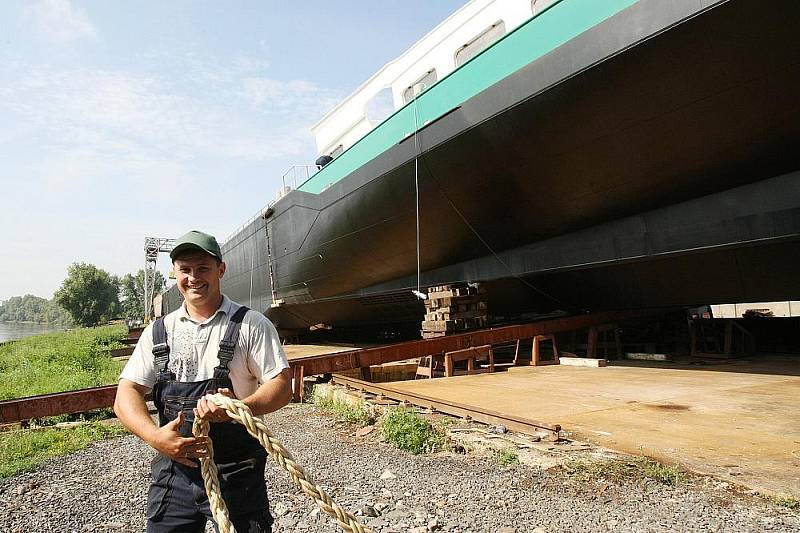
{"x":127,"y":119}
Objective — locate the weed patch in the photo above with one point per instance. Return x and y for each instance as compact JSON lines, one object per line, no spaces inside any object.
{"x":666,"y":474}
{"x":343,"y":411}
{"x":506,"y":457}
{"x":786,"y":501}
{"x":616,"y":470}
{"x":22,"y":451}
{"x":408,"y":431}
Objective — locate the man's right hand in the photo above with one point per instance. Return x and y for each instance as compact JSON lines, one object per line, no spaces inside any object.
{"x":168,"y":441}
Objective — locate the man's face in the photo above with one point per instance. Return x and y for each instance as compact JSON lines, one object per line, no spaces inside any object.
{"x":198,"y":276}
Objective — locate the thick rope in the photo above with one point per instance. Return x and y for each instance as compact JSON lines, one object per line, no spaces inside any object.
{"x":240,"y":413}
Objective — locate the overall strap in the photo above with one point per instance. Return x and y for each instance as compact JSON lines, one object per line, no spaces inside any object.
{"x":161,"y":350}
{"x":228,"y":343}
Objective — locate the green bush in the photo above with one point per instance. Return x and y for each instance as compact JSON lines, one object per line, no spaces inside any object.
{"x":22,"y":451}
{"x":58,"y":362}
{"x":408,"y":431}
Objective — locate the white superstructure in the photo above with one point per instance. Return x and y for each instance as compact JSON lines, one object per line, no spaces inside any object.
{"x":461,"y":36}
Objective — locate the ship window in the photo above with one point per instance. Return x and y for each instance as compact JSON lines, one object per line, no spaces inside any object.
{"x":480,"y":43}
{"x":424,"y":82}
{"x":537,"y":6}
{"x":380,"y":106}
{"x":337,"y":151}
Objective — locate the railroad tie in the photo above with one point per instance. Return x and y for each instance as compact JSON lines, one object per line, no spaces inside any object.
{"x":240,"y":413}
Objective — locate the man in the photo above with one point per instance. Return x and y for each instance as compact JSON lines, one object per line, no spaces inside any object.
{"x":194,"y":351}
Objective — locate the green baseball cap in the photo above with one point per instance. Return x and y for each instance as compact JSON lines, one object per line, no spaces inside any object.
{"x":199,"y":241}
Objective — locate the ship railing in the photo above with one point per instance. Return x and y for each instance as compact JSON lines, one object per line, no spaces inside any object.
{"x":296,"y":175}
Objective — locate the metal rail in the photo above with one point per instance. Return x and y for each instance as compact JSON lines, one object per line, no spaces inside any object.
{"x":515,"y":423}
{"x":59,"y":403}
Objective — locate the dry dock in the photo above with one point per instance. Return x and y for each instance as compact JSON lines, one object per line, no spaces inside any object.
{"x":737,"y":419}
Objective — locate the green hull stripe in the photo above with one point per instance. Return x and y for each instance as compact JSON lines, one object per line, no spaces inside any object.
{"x":546,"y":31}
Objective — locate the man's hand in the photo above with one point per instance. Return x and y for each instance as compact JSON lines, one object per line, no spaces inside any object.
{"x":131,"y":409}
{"x":211,"y":412}
{"x":168,"y":441}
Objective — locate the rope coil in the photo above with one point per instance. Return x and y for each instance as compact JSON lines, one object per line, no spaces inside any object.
{"x":240,"y":413}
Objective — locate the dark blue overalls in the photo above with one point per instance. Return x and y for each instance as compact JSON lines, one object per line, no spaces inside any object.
{"x":177,"y":500}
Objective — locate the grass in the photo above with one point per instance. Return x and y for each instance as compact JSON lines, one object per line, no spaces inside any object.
{"x":94,"y":415}
{"x":786,"y":501}
{"x":506,"y":457}
{"x":22,"y":451}
{"x":408,"y":431}
{"x":615,"y":470}
{"x":665,"y":474}
{"x":350,"y":413}
{"x":56,"y":362}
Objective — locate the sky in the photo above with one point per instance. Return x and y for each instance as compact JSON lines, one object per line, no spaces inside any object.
{"x":122,"y":119}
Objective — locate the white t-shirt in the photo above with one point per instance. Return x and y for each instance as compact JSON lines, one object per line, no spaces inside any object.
{"x":257,"y":358}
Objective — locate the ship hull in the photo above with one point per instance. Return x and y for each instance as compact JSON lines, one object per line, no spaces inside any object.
{"x":633,"y":166}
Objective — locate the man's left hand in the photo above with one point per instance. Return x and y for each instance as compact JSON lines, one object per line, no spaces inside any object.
{"x":211,"y":412}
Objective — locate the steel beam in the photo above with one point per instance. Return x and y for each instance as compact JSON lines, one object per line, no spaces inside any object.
{"x":340,"y":361}
{"x":59,"y":403}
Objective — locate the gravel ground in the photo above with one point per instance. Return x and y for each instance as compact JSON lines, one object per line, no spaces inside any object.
{"x":103,"y":488}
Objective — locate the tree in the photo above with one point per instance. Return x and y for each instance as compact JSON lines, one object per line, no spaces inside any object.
{"x":132,"y":293}
{"x":89,"y":294}
{"x":31,"y":308}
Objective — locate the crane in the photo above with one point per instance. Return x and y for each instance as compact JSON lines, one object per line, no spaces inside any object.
{"x":152,"y":247}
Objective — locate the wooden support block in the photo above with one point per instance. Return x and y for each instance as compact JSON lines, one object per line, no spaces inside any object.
{"x":536,"y":359}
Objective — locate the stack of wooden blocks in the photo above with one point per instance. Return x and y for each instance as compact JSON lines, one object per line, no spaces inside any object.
{"x":452,"y":309}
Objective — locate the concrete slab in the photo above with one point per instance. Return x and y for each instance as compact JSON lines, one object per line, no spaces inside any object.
{"x":737,"y":420}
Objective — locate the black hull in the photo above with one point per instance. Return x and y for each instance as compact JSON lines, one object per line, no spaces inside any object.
{"x":648,"y":161}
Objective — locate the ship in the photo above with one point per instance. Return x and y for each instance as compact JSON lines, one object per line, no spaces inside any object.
{"x":569,"y":156}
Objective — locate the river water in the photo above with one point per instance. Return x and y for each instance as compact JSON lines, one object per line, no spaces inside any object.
{"x":16,"y":330}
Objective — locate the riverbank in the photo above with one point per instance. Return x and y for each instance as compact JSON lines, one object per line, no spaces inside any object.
{"x":56,"y":362}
